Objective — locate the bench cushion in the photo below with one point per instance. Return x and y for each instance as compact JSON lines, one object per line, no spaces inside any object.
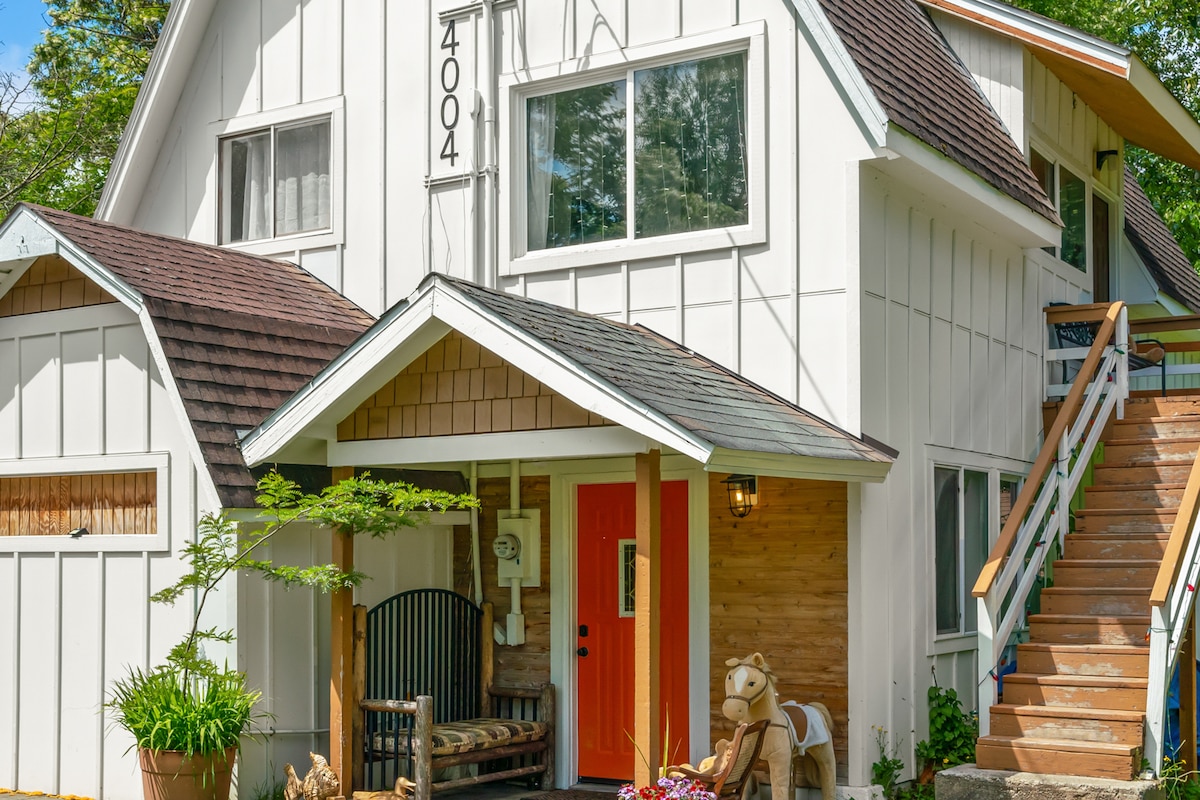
{"x":450,"y":738}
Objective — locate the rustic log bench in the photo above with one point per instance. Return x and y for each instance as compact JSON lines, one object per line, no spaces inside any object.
{"x":429,"y":701}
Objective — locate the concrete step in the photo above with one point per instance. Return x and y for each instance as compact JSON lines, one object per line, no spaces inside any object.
{"x":1078,"y":691}
{"x":1089,"y":629}
{"x":1112,"y":661}
{"x":1160,"y":427}
{"x":1122,"y":520}
{"x":1104,"y":475}
{"x":1105,"y":572}
{"x":1058,"y":757}
{"x":1140,"y":452}
{"x":970,"y":782}
{"x":1116,"y":545}
{"x":1076,"y":724}
{"x":1147,"y":496}
{"x":1103,"y":602}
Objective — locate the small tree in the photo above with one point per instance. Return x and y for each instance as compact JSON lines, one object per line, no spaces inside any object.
{"x":191,"y":704}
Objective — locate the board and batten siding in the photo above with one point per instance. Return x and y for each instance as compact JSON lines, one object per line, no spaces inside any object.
{"x":78,"y":390}
{"x":952,"y":340}
{"x":776,"y":311}
{"x":778,"y":586}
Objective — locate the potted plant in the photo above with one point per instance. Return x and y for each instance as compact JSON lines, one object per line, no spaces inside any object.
{"x":187,"y":716}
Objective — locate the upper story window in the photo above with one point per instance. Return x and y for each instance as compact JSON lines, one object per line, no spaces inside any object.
{"x":1087,"y":233}
{"x":276,"y":181}
{"x":680,"y":129}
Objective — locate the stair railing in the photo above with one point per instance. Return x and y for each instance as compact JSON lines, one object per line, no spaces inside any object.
{"x":1041,"y":513}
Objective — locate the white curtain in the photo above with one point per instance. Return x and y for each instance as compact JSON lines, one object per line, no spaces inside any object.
{"x":252,"y":159}
{"x":541,"y":168}
{"x":302,"y":191}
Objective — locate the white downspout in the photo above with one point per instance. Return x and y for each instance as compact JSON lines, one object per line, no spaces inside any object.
{"x":490,"y":168}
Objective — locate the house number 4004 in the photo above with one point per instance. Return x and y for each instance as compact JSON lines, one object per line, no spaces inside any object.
{"x":450,"y":76}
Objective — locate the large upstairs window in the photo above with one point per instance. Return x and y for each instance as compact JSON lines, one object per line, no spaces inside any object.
{"x":658,"y":151}
{"x":1087,"y":231}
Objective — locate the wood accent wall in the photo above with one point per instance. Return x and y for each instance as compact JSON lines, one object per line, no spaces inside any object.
{"x":459,"y":387}
{"x":778,"y":585}
{"x":527,"y":664}
{"x":51,"y":284}
{"x":118,"y":503}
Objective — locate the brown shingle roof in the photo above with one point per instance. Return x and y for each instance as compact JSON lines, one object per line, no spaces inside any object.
{"x":241,"y":333}
{"x":1157,"y":247}
{"x":926,"y":90}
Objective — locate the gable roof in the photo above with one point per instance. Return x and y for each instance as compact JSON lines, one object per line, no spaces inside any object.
{"x":238,"y":333}
{"x":626,"y":373}
{"x":1157,"y":247}
{"x":1111,"y":79}
{"x":926,"y":90}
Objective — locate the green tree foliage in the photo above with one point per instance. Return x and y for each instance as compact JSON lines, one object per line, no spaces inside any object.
{"x":1166,"y":35}
{"x":60,"y":123}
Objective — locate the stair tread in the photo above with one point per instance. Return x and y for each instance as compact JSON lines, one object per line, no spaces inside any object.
{"x":1063,"y":745}
{"x":1133,"y":536}
{"x":1107,"y":590}
{"x":1143,"y":420}
{"x":1100,"y":619}
{"x":1092,"y":563}
{"x":1133,"y":487}
{"x":1096,"y":649}
{"x":1123,"y":512}
{"x":1152,"y":440}
{"x":1100,"y":681}
{"x":1107,"y":714}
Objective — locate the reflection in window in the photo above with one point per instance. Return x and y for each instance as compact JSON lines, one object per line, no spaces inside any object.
{"x":1072,"y":204}
{"x":689,"y":165}
{"x":945,"y":532}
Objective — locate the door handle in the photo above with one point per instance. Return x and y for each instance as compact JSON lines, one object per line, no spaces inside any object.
{"x":582,"y":652}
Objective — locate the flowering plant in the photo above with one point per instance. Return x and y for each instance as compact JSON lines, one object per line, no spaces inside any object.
{"x":667,"y":789}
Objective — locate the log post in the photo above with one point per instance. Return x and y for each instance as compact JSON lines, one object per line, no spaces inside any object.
{"x":341,"y":668}
{"x":646,"y":729}
{"x":423,"y":747}
{"x":548,"y":714}
{"x":360,"y":693}
{"x":487,"y":664}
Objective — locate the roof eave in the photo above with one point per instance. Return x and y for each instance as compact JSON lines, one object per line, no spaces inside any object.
{"x":782,"y":465}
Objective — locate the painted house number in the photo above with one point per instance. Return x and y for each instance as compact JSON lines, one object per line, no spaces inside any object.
{"x":449,"y":78}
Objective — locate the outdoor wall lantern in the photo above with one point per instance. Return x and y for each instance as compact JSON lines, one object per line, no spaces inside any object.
{"x":743,"y":493}
{"x":1104,"y":155}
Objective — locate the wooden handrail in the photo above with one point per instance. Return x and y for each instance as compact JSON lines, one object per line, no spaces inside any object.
{"x":1092,"y":312}
{"x":1049,"y":452}
{"x":1185,"y":520}
{"x":1187,"y":322}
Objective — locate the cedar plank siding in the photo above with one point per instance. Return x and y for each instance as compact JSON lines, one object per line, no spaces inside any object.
{"x":119,"y":503}
{"x":778,"y":585}
{"x":527,"y":664}
{"x":51,"y":284}
{"x":458,"y":387}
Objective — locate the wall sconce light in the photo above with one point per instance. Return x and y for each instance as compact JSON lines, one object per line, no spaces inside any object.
{"x":1104,"y":155}
{"x":743,"y":493}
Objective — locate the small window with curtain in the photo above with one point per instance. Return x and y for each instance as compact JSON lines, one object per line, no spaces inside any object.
{"x":276,"y":182}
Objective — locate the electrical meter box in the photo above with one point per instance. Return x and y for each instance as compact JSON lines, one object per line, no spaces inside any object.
{"x":525,"y":563}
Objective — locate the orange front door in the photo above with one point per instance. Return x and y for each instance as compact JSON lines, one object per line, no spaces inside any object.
{"x":606,"y":620}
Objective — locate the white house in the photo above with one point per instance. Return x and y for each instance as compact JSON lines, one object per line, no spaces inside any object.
{"x":843,"y":217}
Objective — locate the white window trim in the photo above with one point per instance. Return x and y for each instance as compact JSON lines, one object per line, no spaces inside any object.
{"x":333,"y":109}
{"x":515,"y":88}
{"x":159,"y":462}
{"x":997,"y":468}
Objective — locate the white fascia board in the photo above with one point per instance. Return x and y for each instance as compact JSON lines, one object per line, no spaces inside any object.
{"x":599,"y":442}
{"x":1031,"y":228}
{"x":375,"y":351}
{"x":532,"y":357}
{"x":1038,"y":31}
{"x":791,"y":466}
{"x":26,"y":235}
{"x":1159,"y":96}
{"x":207,"y":485}
{"x":860,"y":99}
{"x":158,"y":96}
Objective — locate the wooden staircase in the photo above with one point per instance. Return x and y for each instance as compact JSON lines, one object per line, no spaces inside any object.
{"x":1077,"y":703}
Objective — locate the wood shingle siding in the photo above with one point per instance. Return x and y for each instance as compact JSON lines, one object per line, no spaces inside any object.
{"x":51,"y":284}
{"x":108,"y":504}
{"x":778,"y":585}
{"x":459,"y":387}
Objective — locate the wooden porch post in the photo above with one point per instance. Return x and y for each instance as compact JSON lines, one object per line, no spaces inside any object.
{"x":341,"y":669}
{"x":646,"y":729}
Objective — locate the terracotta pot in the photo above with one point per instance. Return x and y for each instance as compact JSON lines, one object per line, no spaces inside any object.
{"x":174,"y":775}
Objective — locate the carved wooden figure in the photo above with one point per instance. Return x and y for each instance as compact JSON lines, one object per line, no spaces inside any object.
{"x":320,"y":783}
{"x":798,"y":736}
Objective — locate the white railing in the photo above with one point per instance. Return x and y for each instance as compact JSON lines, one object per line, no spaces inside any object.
{"x":1041,"y":513}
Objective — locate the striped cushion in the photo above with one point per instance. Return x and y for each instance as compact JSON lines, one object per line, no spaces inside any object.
{"x":470,"y":735}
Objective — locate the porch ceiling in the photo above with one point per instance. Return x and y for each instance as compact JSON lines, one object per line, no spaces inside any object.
{"x":657,"y":393}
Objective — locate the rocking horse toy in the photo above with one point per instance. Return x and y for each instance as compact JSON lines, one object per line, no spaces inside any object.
{"x":798,"y":735}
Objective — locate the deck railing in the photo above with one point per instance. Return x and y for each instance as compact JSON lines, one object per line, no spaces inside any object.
{"x":1041,"y":513}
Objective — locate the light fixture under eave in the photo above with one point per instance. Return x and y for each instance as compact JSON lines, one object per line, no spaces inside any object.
{"x":1104,"y":155}
{"x":743,"y":493}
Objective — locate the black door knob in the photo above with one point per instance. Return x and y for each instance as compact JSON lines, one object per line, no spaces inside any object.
{"x":582,"y":652}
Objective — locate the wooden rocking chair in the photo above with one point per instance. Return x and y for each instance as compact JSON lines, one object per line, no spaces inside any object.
{"x":743,"y":755}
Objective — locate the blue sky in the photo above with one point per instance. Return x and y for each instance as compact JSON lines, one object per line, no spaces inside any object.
{"x":21,"y":24}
